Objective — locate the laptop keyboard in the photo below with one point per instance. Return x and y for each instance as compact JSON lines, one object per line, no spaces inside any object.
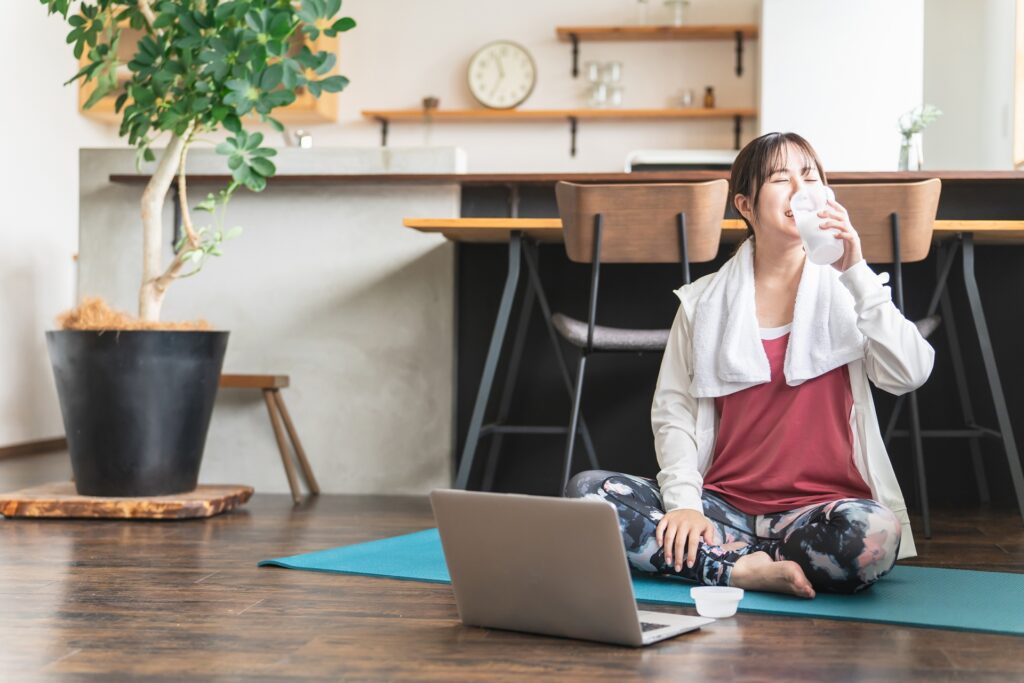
{"x":646,"y":626}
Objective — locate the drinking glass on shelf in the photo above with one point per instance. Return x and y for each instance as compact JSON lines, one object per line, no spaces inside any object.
{"x":615,"y":96}
{"x":593,"y":71}
{"x":611,"y":72}
{"x":686,"y":97}
{"x":680,"y":10}
{"x":641,"y":13}
{"x":598,"y":95}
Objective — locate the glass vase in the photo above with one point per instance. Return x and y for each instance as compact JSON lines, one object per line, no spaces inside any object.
{"x":911,"y":155}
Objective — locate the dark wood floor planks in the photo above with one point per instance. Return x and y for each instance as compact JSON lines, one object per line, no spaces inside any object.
{"x":113,"y":600}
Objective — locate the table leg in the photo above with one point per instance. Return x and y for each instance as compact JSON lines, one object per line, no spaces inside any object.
{"x":491,"y":363}
{"x":507,"y":389}
{"x":991,"y":372}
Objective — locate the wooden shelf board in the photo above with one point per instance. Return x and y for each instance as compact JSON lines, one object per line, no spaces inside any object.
{"x":622,"y":33}
{"x":557,"y":114}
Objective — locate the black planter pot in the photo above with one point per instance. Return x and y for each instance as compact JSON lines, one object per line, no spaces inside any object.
{"x":136,"y":407}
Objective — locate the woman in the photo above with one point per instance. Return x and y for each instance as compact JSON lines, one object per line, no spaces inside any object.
{"x":773,"y":471}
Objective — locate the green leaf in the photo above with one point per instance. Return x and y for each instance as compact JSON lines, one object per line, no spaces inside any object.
{"x":329,"y":59}
{"x":233,"y":123}
{"x":256,"y":183}
{"x":263,"y":166}
{"x":163,"y":21}
{"x":254,"y":21}
{"x":343,"y":24}
{"x":334,"y":83}
{"x":280,"y":25}
{"x":208,"y":204}
{"x":271,"y":78}
{"x":224,"y":11}
{"x":233,"y":232}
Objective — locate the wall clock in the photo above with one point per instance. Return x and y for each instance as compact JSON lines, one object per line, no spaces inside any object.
{"x":501,"y":75}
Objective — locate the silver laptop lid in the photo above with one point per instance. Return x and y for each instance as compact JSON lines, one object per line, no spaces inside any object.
{"x":555,"y":566}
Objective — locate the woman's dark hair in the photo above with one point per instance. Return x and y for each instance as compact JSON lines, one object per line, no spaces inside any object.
{"x":757,"y":161}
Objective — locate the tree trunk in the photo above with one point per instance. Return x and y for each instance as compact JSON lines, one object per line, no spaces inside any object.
{"x":151,"y":294}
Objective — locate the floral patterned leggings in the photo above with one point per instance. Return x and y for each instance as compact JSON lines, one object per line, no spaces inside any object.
{"x":843,"y":546}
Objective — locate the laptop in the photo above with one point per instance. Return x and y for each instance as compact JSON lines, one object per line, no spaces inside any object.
{"x":553,"y":566}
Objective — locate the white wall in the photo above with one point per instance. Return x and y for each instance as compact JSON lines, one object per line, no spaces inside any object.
{"x":39,"y":232}
{"x":840,"y":74}
{"x":969,"y":58}
{"x":402,"y":51}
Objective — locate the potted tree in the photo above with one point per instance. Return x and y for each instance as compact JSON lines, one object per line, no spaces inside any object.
{"x":137,"y":394}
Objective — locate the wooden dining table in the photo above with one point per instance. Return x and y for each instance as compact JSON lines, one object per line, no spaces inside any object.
{"x":549,"y":230}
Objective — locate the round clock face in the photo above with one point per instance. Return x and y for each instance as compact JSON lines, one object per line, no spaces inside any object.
{"x":501,"y":75}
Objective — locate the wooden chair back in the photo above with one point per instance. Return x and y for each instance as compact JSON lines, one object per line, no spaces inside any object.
{"x":640,"y":221}
{"x":871,"y":206}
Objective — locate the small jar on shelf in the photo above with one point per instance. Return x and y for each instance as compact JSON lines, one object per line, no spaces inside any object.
{"x":709,"y":97}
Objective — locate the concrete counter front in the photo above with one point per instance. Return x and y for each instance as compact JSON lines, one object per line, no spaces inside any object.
{"x":325,"y":285}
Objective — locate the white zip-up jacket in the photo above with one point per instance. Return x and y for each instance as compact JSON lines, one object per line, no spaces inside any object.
{"x":896,"y":359}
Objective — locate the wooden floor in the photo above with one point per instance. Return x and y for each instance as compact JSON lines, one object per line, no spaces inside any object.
{"x":107,"y":601}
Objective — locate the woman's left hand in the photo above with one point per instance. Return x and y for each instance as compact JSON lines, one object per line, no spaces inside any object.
{"x":837,"y":219}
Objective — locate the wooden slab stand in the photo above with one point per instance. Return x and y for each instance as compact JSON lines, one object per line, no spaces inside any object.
{"x":59,"y":499}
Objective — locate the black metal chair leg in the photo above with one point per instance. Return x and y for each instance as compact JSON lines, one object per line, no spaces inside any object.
{"x":491,"y":364}
{"x":919,"y":472}
{"x":966,"y":408}
{"x":992,"y":373}
{"x":570,"y":440}
{"x":530,"y":253}
{"x":897,"y":408}
{"x":511,"y":373}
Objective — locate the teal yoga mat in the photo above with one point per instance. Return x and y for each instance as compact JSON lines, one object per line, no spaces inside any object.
{"x":916,"y":596}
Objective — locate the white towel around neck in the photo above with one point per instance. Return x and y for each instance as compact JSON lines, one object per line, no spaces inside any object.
{"x":728,"y":354}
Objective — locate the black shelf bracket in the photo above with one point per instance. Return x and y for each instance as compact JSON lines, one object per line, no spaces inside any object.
{"x":736,"y":129}
{"x":383,"y":131}
{"x":176,"y":199}
{"x":575,"y":54}
{"x":739,"y":53}
{"x":573,"y":125}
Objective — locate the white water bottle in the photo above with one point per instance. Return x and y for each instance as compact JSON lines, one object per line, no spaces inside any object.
{"x":822,"y":246}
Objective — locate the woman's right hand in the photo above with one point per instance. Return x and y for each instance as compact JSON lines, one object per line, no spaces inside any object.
{"x":682,"y":529}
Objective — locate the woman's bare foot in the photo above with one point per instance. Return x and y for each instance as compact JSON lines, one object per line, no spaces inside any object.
{"x":759,"y":572}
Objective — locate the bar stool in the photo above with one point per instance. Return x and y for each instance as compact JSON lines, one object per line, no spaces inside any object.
{"x":895,"y":222}
{"x":642,"y":223}
{"x":271,"y":386}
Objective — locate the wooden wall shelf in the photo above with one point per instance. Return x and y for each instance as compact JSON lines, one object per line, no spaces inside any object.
{"x":691,"y":32}
{"x":577,"y":34}
{"x":573,"y":116}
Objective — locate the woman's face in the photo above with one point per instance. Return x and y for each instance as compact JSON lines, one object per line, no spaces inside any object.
{"x":772,"y":213}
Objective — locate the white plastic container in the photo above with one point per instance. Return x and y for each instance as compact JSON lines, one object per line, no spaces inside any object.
{"x":822,"y":246}
{"x":716,"y":601}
